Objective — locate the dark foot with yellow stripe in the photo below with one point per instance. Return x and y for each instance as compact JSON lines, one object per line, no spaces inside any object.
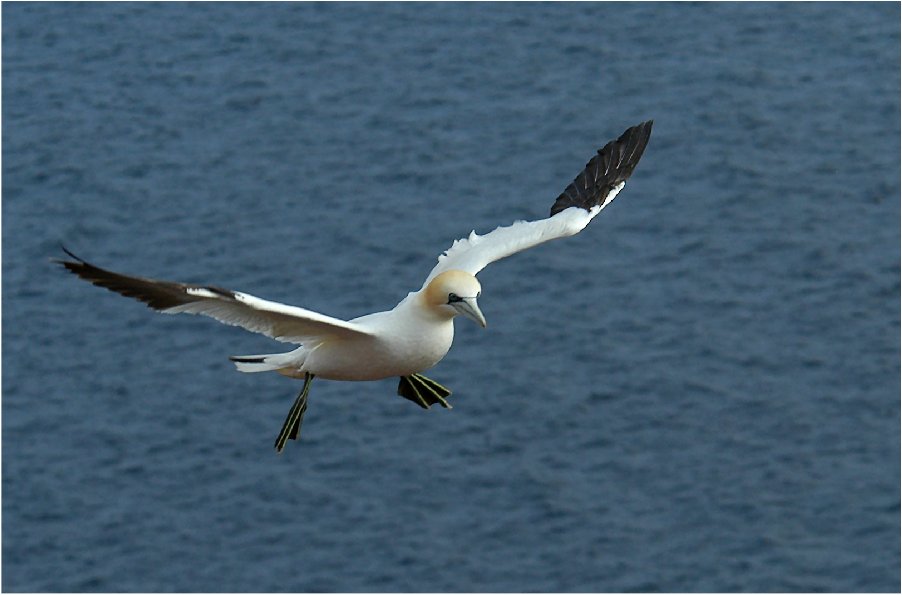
{"x":291,"y":429}
{"x":423,"y":391}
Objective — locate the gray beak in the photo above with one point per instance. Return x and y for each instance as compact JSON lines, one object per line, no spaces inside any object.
{"x":469,"y":308}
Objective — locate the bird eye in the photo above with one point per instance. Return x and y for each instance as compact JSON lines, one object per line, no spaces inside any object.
{"x":453,"y":297}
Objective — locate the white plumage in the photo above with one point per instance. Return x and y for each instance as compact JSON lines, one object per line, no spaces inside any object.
{"x":418,"y":332}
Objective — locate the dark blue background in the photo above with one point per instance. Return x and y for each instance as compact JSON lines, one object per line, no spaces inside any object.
{"x":700,"y":392}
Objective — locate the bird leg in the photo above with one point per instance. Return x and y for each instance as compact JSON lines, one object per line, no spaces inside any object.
{"x":291,"y":429}
{"x":423,"y":391}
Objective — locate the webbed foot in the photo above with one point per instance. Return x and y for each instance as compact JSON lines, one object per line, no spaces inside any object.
{"x":291,"y":429}
{"x":423,"y":391}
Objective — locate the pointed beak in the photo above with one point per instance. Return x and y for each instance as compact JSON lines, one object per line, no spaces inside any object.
{"x":469,"y":308}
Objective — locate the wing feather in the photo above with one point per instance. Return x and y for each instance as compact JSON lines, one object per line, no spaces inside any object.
{"x":593,"y":189}
{"x":613,"y":165}
{"x":474,"y":253}
{"x":282,"y":322}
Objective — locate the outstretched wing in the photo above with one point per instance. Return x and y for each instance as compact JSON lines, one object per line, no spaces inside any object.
{"x":282,"y":322}
{"x":592,"y":190}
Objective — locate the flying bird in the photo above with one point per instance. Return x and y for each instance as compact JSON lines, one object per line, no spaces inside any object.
{"x":417,"y":333}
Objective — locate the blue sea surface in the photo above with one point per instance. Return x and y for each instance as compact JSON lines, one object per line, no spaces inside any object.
{"x":699,"y":392}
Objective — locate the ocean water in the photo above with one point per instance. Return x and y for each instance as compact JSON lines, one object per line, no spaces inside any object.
{"x":700,"y":392}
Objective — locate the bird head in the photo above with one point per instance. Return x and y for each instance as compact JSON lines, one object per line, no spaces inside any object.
{"x":454,"y":292}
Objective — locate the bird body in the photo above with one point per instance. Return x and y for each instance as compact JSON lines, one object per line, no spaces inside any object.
{"x":406,"y":339}
{"x":403,"y":341}
{"x":413,"y":336}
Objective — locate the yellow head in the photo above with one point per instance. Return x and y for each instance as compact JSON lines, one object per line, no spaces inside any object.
{"x":455,"y":292}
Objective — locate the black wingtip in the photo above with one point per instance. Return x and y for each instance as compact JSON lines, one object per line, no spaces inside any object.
{"x":69,"y":252}
{"x":159,"y":295}
{"x":613,"y":164}
{"x":70,"y":255}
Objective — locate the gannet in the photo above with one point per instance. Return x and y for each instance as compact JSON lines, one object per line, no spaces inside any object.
{"x":406,"y":340}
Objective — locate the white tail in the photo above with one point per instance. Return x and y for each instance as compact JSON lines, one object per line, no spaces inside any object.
{"x":266,"y":362}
